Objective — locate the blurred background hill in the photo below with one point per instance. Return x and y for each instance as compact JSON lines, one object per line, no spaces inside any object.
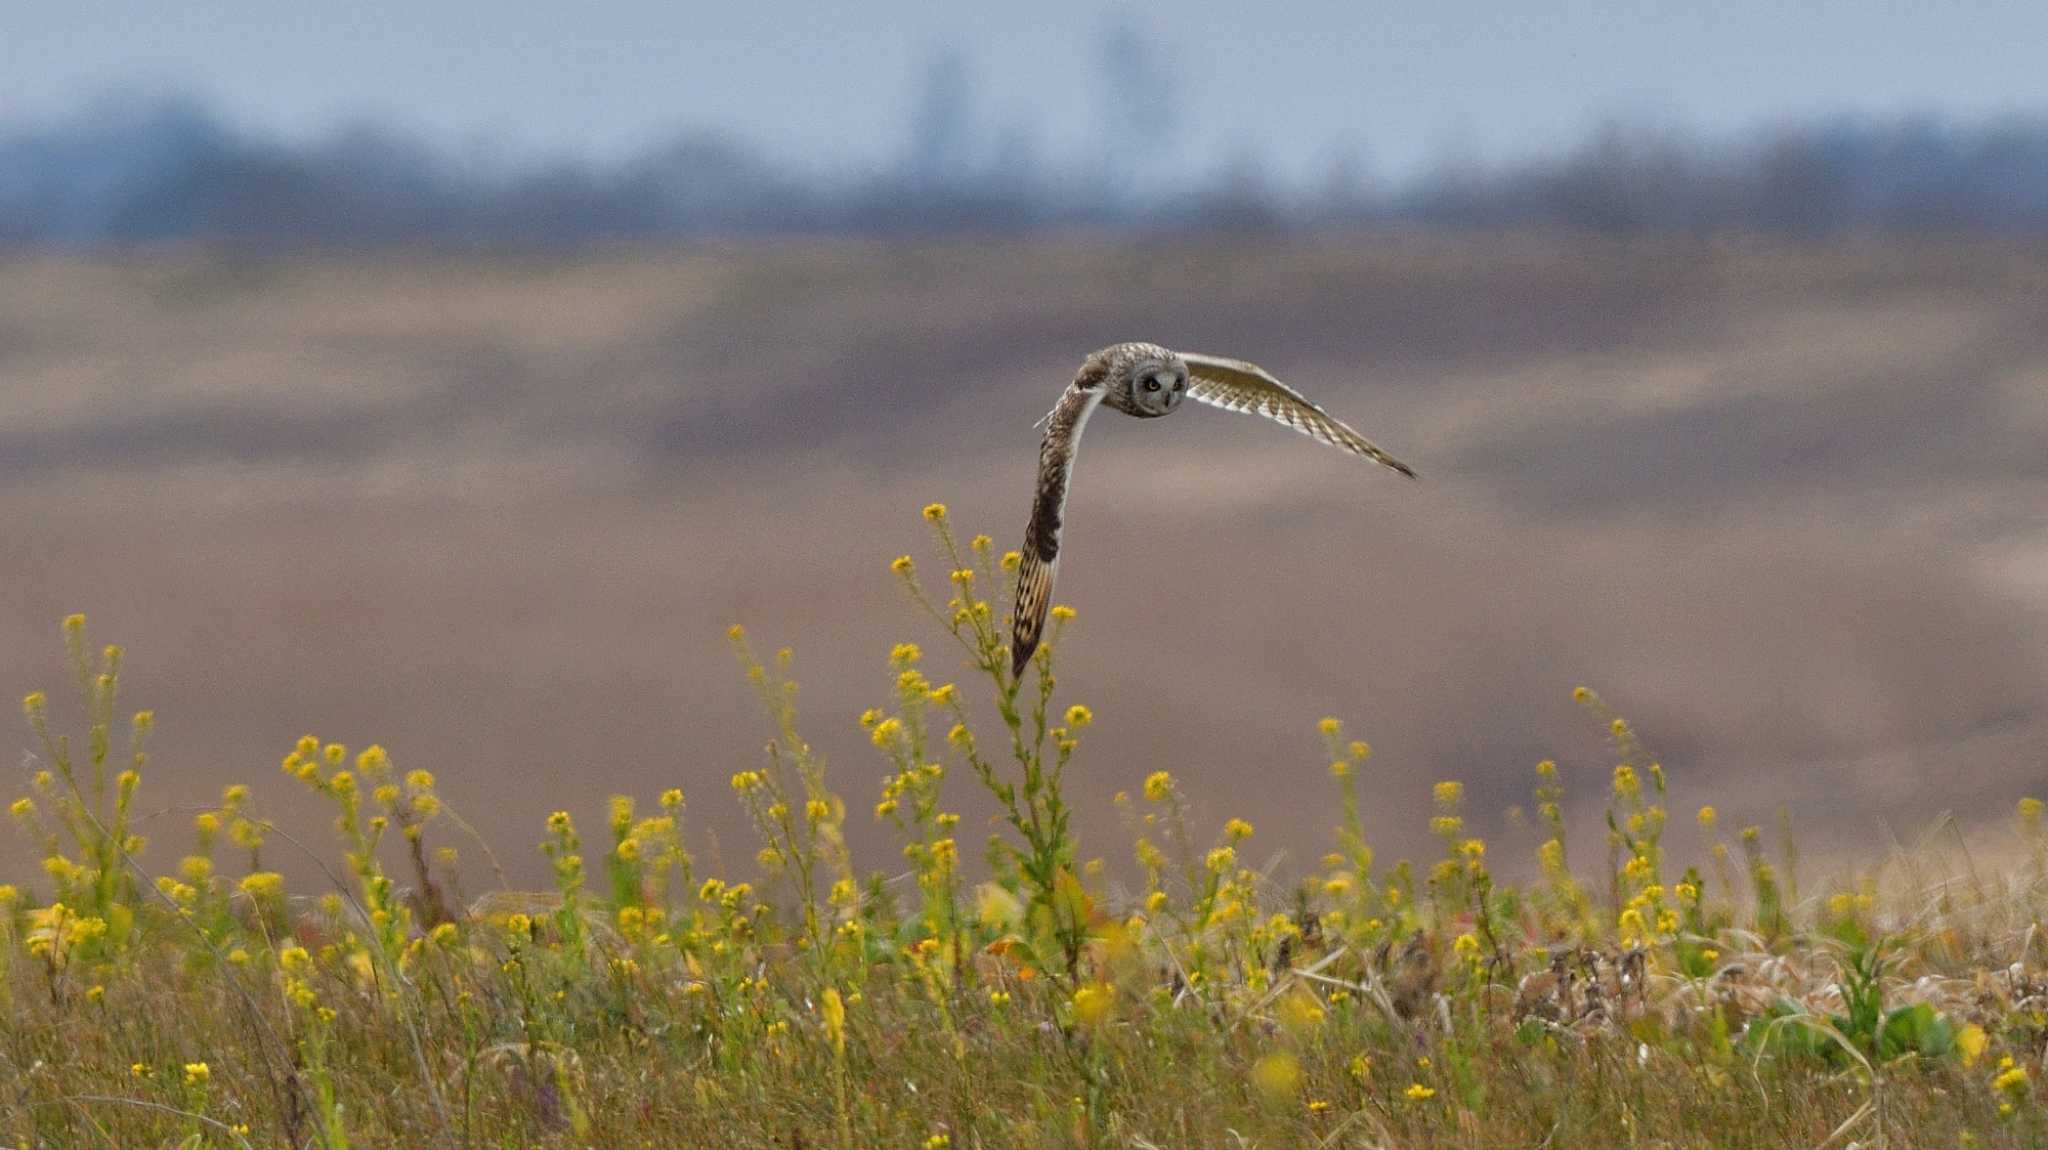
{"x":451,"y":377}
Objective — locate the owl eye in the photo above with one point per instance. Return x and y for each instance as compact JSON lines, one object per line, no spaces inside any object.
{"x":1152,"y":384}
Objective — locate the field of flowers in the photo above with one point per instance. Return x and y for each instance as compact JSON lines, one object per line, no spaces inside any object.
{"x":984,"y":994}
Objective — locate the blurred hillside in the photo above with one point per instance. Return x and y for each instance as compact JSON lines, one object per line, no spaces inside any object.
{"x":1783,"y":504}
{"x":128,"y":172}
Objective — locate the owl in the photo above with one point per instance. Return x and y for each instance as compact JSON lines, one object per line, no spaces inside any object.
{"x":1146,"y":381}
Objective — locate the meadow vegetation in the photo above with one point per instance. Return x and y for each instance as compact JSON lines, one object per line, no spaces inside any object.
{"x":1010,"y":992}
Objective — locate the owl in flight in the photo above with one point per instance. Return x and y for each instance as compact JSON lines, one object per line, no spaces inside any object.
{"x":1146,"y":380}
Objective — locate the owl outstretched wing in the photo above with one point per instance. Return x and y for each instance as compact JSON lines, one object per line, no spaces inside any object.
{"x":1041,"y":553}
{"x":1234,"y":385}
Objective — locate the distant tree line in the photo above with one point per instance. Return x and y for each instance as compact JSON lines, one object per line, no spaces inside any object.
{"x":170,"y":170}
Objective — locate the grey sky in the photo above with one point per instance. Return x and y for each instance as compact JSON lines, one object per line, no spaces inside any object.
{"x":832,"y":85}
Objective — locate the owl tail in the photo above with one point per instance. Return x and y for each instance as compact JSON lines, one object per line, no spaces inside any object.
{"x":1034,"y":600}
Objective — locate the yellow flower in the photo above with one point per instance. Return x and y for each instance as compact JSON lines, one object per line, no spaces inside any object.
{"x":671,"y":798}
{"x":2030,"y":812}
{"x":1708,"y":816}
{"x":1329,"y":727}
{"x":264,"y":884}
{"x":1237,"y":829}
{"x":1277,"y":1076}
{"x":2012,"y":1079}
{"x":816,"y":810}
{"x":1091,"y":1004}
{"x":900,"y":565}
{"x":934,"y":512}
{"x":1300,"y":1013}
{"x":34,"y":702}
{"x":1417,"y":1092}
{"x":1448,"y":793}
{"x":1340,"y":769}
{"x":628,"y":849}
{"x":1157,"y":785}
{"x":559,"y":822}
{"x":1626,"y":785}
{"x":1079,"y":716}
{"x":1012,"y":560}
{"x":832,"y":1009}
{"x":1062,"y":613}
{"x":1219,"y":860}
{"x":196,"y":1073}
{"x":904,"y":654}
{"x":885,"y":732}
{"x":22,"y":807}
{"x":1581,"y":695}
{"x":943,"y":693}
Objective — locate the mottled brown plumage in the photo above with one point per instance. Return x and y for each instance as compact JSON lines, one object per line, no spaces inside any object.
{"x":1146,"y":381}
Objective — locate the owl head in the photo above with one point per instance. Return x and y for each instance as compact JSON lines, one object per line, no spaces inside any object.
{"x":1140,"y":379}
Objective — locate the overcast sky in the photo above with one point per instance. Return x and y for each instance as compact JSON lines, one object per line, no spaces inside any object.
{"x":1398,"y":86}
